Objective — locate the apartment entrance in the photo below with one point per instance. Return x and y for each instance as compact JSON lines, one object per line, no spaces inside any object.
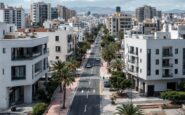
{"x":150,"y":91}
{"x":16,"y":95}
{"x":171,"y":85}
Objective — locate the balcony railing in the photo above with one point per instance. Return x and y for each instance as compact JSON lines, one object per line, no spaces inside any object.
{"x":133,"y":52}
{"x":27,"y":56}
{"x":133,"y":61}
{"x":18,"y":77}
{"x":167,"y":65}
{"x":132,"y":70}
{"x":167,"y":54}
{"x":167,"y":75}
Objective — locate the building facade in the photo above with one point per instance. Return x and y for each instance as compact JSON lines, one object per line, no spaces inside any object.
{"x":40,"y":12}
{"x":23,"y":61}
{"x":65,"y":13}
{"x":156,"y":62}
{"x":13,"y":15}
{"x":146,"y":12}
{"x":61,"y":44}
{"x":119,"y":22}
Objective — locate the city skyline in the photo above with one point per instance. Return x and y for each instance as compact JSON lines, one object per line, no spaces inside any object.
{"x":125,"y":4}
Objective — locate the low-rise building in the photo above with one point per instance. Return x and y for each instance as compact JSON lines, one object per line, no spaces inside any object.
{"x":156,"y":62}
{"x":23,"y":61}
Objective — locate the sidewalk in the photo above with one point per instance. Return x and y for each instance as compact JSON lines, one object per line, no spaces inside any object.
{"x":55,"y":108}
{"x":104,"y":71}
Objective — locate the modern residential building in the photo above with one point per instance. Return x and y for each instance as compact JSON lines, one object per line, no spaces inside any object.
{"x":40,"y":12}
{"x":61,"y":44}
{"x":119,"y":22}
{"x":65,"y":13}
{"x":156,"y":62}
{"x":54,"y":13}
{"x":2,"y":6}
{"x":13,"y":15}
{"x":23,"y":61}
{"x":147,"y":12}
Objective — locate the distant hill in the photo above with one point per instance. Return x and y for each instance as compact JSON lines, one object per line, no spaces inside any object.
{"x":175,"y":11}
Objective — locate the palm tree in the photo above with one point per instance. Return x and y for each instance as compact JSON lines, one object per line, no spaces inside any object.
{"x":64,"y":75}
{"x":128,"y":109}
{"x":117,"y":65}
{"x":56,"y":71}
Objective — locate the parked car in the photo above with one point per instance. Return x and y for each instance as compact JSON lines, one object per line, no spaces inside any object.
{"x":106,"y":83}
{"x":88,"y":65}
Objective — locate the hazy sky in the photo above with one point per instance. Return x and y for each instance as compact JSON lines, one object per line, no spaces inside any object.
{"x":125,"y":4}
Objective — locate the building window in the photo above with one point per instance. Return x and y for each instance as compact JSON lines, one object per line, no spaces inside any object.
{"x":4,"y":50}
{"x":157,"y":62}
{"x":56,"y":38}
{"x":3,"y":71}
{"x":176,"y":51}
{"x":18,"y":72}
{"x":140,"y":70}
{"x":140,"y":60}
{"x":140,"y":50}
{"x":157,"y":72}
{"x":57,"y":57}
{"x":176,"y":71}
{"x":57,"y":49}
{"x":157,"y":51}
{"x":176,"y":61}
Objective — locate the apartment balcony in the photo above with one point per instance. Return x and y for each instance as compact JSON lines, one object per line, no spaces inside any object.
{"x":167,"y":55}
{"x":167,"y":65}
{"x":28,"y":53}
{"x":133,"y":71}
{"x":167,"y":75}
{"x":133,"y":53}
{"x":19,"y":77}
{"x":133,"y":62}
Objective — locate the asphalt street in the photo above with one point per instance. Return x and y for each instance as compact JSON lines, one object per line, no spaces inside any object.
{"x":87,"y":98}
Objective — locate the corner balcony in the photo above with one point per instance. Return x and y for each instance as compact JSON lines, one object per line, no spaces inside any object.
{"x":19,"y":54}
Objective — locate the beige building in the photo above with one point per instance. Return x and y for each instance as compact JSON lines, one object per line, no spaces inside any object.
{"x":65,"y":13}
{"x":119,"y":22}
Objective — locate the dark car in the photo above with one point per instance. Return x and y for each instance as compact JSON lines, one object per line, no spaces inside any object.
{"x":106,"y":83}
{"x":88,"y":65}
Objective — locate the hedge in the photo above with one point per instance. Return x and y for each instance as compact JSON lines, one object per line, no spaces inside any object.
{"x":173,"y":95}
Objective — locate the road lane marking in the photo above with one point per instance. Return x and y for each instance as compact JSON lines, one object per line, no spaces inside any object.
{"x":85,"y":109}
{"x":82,"y":91}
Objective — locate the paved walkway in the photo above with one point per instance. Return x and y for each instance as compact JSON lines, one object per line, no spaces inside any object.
{"x":56,"y":104}
{"x":103,"y":70}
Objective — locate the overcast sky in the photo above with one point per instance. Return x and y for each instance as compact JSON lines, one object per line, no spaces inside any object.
{"x":125,"y":4}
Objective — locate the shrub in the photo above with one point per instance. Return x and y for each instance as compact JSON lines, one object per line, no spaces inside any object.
{"x":39,"y":108}
{"x":174,"y":96}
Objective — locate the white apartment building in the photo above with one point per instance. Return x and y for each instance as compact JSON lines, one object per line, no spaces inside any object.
{"x":13,"y":15}
{"x":40,"y":12}
{"x":61,"y":44}
{"x":23,"y":61}
{"x":119,"y":22}
{"x":156,"y":62}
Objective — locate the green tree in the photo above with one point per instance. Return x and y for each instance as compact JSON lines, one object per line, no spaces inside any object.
{"x":117,"y":65}
{"x":108,"y":54}
{"x":128,"y":109}
{"x":119,"y":82}
{"x":63,"y":74}
{"x":121,"y":35}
